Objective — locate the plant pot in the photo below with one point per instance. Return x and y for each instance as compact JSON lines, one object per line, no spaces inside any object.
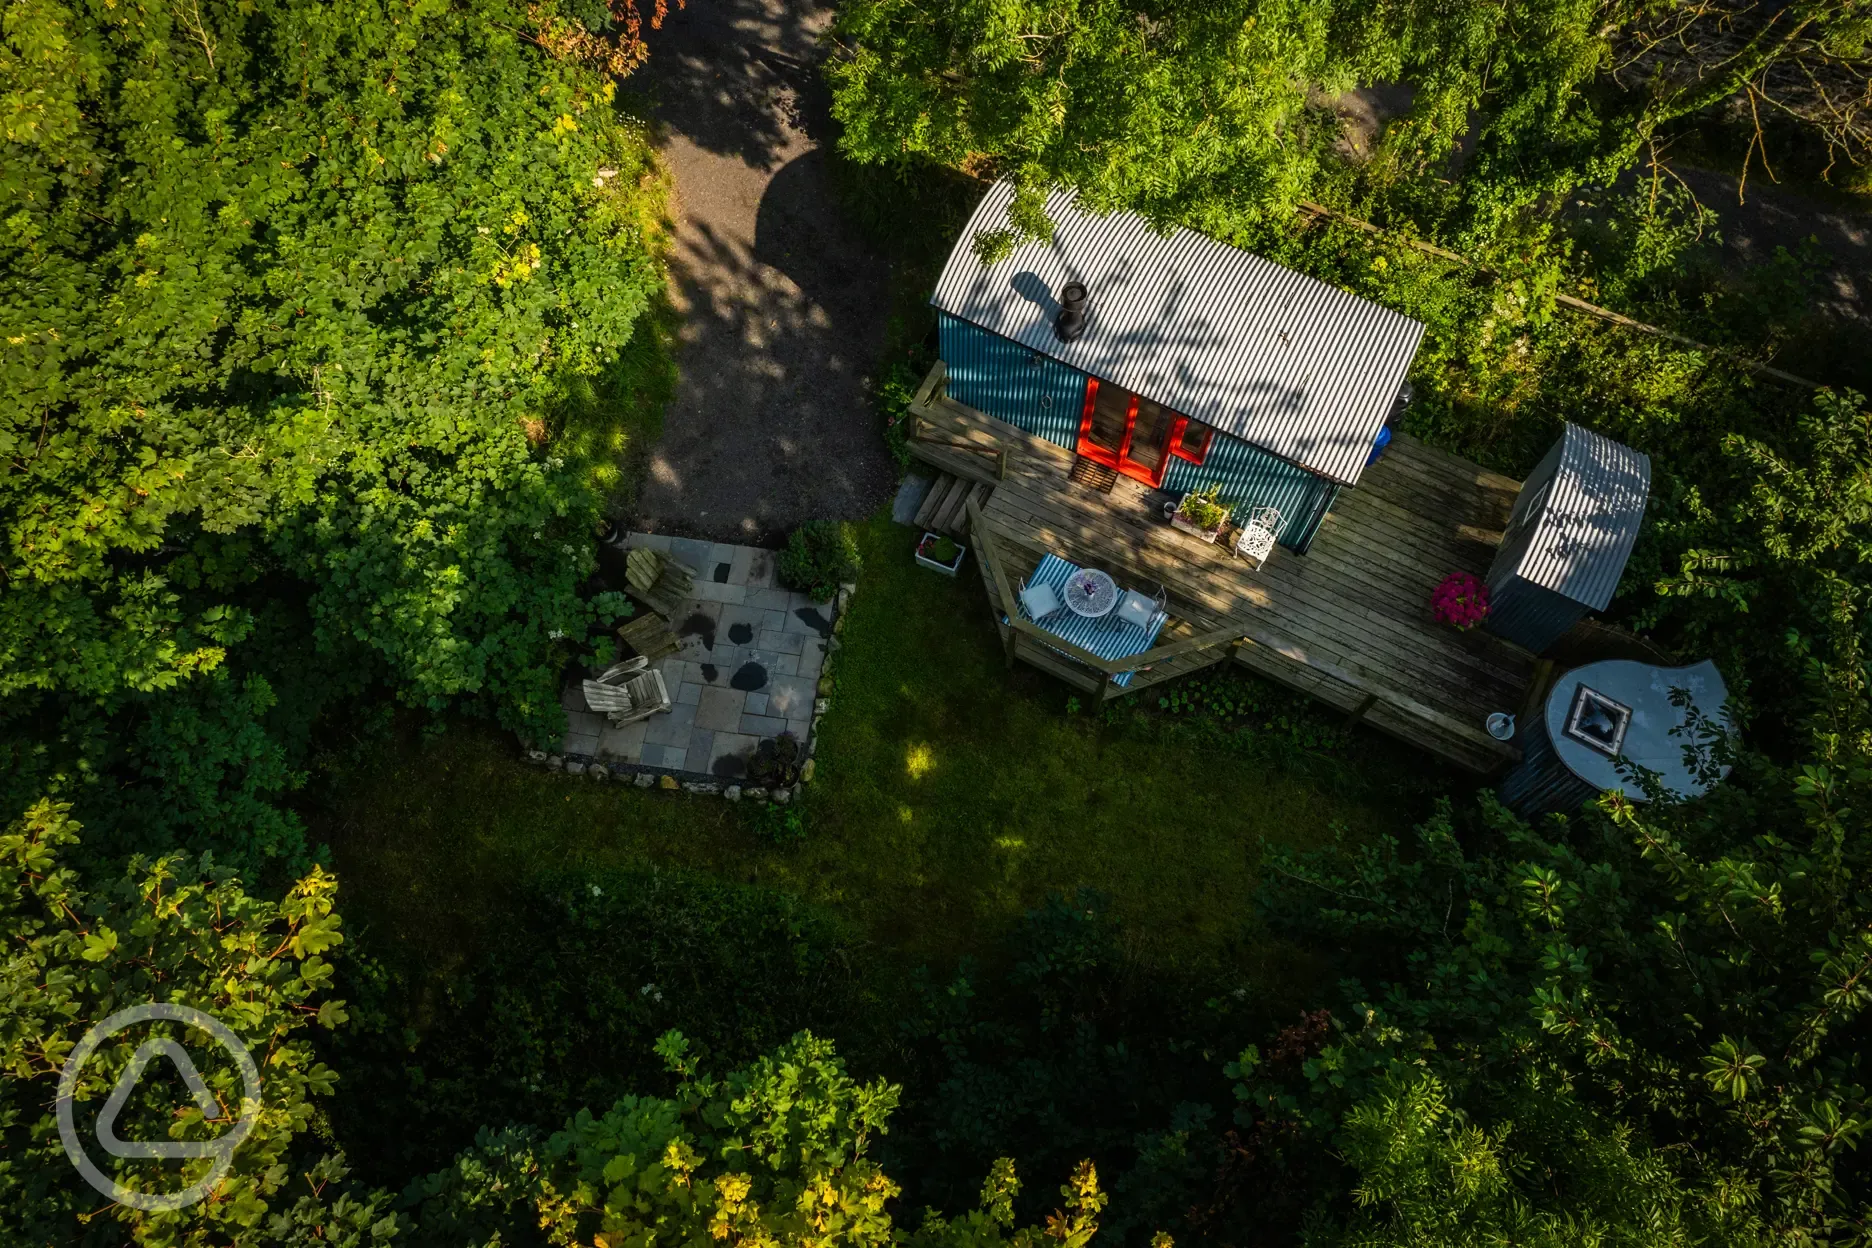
{"x":1177,"y":521}
{"x":947,"y":569}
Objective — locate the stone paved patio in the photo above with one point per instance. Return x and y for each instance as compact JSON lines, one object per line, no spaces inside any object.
{"x":749,"y":668}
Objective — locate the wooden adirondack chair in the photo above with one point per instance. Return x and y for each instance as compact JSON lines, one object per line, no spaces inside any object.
{"x":627,"y":692}
{"x":658,"y":581}
{"x":650,"y":635}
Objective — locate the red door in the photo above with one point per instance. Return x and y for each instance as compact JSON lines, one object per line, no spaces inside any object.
{"x":1126,"y":432}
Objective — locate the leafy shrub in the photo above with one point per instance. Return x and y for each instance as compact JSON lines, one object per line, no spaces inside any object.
{"x":1203,"y":508}
{"x":776,"y":762}
{"x":939,"y":549}
{"x":895,"y":389}
{"x":819,"y":556}
{"x":564,"y":1010}
{"x":783,"y":825}
{"x":1237,"y":711}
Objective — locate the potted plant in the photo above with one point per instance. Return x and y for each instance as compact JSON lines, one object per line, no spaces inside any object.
{"x":941,"y":553}
{"x":1460,"y":601}
{"x":1201,"y":513}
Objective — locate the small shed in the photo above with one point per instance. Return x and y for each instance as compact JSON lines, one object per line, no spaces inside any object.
{"x":1173,"y":358}
{"x":1603,"y":713}
{"x":1567,"y":540}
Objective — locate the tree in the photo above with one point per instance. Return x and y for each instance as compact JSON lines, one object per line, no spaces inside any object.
{"x":1807,"y":62}
{"x":1645,"y":1022}
{"x":173,"y":931}
{"x":290,"y":291}
{"x":1192,"y":112}
{"x":1217,"y":116}
{"x":776,"y":1154}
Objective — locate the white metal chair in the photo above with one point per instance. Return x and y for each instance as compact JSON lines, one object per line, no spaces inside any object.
{"x":1138,"y":610}
{"x":1256,"y":538}
{"x":627,"y":692}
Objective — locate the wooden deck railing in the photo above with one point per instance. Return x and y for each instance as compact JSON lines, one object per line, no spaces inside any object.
{"x":926,"y":392}
{"x":990,"y":555}
{"x":999,"y":453}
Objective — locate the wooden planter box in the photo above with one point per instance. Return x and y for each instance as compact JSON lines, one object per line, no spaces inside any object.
{"x":947,"y":569}
{"x":1177,"y":521}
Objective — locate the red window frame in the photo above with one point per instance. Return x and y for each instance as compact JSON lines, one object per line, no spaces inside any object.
{"x":1122,"y":461}
{"x":1176,"y":440}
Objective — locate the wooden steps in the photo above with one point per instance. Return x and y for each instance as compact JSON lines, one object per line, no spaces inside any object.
{"x":945,"y":507}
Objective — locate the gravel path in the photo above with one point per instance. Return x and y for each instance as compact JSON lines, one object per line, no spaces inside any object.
{"x":783,"y":304}
{"x":1767,"y":217}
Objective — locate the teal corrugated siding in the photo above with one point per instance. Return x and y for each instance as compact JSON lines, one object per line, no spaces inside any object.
{"x":1005,"y":379}
{"x":1047,"y":398}
{"x":1250,"y":477}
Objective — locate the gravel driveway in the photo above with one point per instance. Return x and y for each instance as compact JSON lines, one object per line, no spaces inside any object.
{"x":783,"y":304}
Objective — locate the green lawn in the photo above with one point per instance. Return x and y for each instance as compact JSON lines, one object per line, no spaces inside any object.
{"x":951,"y":795}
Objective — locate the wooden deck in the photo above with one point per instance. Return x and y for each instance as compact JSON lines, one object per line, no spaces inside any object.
{"x":1348,"y":623}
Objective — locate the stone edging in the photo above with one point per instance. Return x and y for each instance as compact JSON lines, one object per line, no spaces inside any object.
{"x":590,"y":767}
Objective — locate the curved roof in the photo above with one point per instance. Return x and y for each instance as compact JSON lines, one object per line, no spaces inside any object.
{"x":1588,"y":520}
{"x":1291,"y":364}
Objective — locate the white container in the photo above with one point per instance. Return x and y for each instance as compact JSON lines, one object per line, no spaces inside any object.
{"x":1177,"y":521}
{"x":947,"y":569}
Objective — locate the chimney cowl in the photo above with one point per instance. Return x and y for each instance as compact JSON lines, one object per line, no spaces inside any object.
{"x":1070,"y":324}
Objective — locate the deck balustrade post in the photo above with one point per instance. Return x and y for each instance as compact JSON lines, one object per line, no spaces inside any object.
{"x":991,"y":564}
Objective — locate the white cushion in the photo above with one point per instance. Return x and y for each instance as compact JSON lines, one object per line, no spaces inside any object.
{"x":1040,"y":600}
{"x":1135,"y":609}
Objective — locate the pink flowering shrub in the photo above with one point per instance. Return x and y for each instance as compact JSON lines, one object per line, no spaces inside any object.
{"x":1460,"y":600}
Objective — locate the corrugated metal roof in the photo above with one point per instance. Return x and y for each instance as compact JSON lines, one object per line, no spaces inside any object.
{"x":1301,"y":368}
{"x":1590,"y":518}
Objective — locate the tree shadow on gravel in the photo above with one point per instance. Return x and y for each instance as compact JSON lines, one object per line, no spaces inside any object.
{"x":739,"y":77}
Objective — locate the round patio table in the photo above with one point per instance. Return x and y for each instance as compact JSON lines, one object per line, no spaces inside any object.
{"x":1090,"y":593}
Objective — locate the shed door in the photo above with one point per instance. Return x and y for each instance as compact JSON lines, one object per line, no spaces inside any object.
{"x":1123,"y":431}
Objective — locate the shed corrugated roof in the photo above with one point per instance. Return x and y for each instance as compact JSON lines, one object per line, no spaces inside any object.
{"x":1291,"y":364}
{"x":1589,"y":519}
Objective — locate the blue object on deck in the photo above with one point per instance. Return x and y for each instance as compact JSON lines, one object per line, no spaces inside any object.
{"x":1106,"y":636}
{"x":1379,"y":445}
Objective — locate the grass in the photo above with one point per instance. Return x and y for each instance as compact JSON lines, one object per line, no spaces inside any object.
{"x":611,"y":421}
{"x":951,"y":796}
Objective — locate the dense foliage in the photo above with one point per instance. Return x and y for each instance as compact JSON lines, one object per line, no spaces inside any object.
{"x":170,"y":930}
{"x":564,"y":1011}
{"x":291,"y":290}
{"x":1211,"y":115}
{"x":820,"y":556}
{"x":776,"y":1153}
{"x":1646,"y":1022}
{"x":773,"y":1155}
